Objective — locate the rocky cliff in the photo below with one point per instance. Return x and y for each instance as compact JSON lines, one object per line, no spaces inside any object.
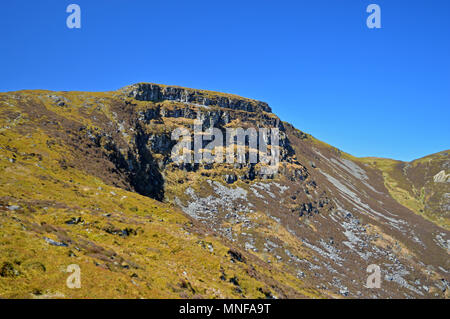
{"x":157,"y":93}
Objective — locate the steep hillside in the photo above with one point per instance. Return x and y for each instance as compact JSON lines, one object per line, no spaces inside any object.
{"x":421,"y":185}
{"x":88,"y":179}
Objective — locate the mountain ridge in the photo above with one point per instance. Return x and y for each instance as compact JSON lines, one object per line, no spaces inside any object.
{"x":310,"y":230}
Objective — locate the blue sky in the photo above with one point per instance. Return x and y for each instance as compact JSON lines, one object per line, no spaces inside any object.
{"x":370,"y":92}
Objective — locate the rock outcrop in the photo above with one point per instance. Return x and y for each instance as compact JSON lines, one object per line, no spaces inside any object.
{"x":155,"y":93}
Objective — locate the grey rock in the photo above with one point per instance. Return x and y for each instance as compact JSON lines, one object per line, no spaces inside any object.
{"x":55,"y":243}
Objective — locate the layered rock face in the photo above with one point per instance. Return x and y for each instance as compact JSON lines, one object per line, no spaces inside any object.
{"x":156,"y":93}
{"x":147,"y":114}
{"x":218,"y":110}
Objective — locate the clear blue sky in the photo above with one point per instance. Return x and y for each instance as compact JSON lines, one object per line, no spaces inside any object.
{"x":370,"y":92}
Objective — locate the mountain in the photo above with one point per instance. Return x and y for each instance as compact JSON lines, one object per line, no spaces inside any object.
{"x":88,"y":178}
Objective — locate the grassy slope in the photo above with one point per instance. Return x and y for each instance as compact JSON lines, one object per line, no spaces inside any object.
{"x":163,"y":256}
{"x":414,"y":189}
{"x":416,"y":194}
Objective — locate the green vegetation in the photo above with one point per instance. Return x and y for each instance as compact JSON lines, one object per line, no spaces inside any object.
{"x":127,"y":245}
{"x":416,"y":194}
